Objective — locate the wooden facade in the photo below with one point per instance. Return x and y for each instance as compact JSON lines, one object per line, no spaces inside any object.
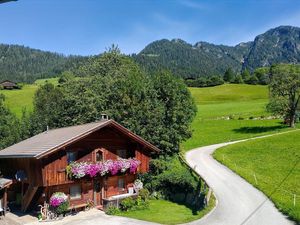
{"x":47,"y":175}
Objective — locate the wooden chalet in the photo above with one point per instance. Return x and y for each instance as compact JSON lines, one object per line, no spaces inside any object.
{"x":7,"y":84}
{"x":38,"y":165}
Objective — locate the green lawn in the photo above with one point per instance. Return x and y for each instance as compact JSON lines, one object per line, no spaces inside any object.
{"x":53,"y":80}
{"x":271,"y":159}
{"x":18,"y":100}
{"x":229,"y":93}
{"x":239,"y":102}
{"x":165,"y":212}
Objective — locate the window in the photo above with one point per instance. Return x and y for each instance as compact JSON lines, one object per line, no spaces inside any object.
{"x":71,"y":157}
{"x":121,"y":153}
{"x":99,"y":156}
{"x":121,"y":184}
{"x":75,"y":192}
{"x":131,"y":153}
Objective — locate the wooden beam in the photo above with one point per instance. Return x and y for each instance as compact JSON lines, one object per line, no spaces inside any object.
{"x":27,"y":198}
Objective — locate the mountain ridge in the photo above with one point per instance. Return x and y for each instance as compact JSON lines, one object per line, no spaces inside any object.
{"x":276,"y":45}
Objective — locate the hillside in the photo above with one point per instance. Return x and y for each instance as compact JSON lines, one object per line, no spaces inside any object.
{"x":230,"y":112}
{"x":23,"y":64}
{"x":278,"y":45}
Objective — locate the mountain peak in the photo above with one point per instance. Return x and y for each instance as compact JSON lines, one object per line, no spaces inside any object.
{"x":277,"y":45}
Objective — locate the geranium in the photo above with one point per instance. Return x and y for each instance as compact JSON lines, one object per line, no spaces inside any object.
{"x":134,"y":164}
{"x":57,"y":199}
{"x":80,"y":170}
{"x":124,"y":165}
{"x":112,"y":166}
{"x":92,"y":169}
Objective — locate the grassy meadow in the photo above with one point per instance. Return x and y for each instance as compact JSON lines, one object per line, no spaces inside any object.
{"x":271,"y":159}
{"x":230,"y":112}
{"x":19,"y":100}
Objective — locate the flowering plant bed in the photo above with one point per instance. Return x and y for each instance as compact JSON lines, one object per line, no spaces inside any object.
{"x":79,"y":170}
{"x":59,"y":202}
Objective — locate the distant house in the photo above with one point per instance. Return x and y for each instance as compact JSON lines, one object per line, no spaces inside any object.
{"x":7,"y":84}
{"x":40,"y":163}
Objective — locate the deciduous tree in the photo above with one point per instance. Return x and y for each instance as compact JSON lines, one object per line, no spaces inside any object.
{"x":285,"y":91}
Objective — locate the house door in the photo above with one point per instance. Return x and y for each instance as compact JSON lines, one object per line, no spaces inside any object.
{"x":97,"y":192}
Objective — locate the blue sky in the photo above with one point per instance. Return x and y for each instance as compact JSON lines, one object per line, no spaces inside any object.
{"x":88,"y":27}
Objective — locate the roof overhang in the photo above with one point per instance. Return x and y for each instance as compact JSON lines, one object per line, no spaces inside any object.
{"x":108,"y":123}
{"x":80,"y":136}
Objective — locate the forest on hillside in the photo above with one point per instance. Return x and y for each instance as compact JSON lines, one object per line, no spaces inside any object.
{"x":278,"y":45}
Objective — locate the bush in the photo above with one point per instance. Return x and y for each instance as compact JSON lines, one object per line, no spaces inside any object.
{"x":144,"y":194}
{"x":112,"y":210}
{"x":63,"y":208}
{"x":205,"y":82}
{"x":140,"y":204}
{"x":127,"y":204}
{"x":253,"y":80}
{"x":157,"y":195}
{"x":168,"y":176}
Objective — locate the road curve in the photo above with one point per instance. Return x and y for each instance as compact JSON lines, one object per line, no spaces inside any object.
{"x":237,"y":199}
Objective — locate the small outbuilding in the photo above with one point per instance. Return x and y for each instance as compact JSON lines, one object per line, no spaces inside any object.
{"x":7,"y":84}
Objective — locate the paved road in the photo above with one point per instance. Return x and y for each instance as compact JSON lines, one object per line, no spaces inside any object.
{"x":237,"y":199}
{"x":94,"y":217}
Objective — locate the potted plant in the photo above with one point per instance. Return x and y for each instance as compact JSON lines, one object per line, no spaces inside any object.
{"x":59,"y":203}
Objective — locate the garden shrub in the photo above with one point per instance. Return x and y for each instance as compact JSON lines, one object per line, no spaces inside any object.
{"x":63,"y":208}
{"x":144,"y":194}
{"x":168,"y":178}
{"x":112,"y":210}
{"x":59,"y":203}
{"x":140,"y":204}
{"x":127,"y":204}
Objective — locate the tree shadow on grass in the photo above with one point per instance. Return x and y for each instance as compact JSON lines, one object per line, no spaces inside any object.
{"x":257,"y":130}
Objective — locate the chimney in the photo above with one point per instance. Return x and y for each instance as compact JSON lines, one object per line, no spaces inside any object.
{"x":104,"y":116}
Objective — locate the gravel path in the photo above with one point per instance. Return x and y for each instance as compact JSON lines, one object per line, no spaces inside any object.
{"x":237,"y":201}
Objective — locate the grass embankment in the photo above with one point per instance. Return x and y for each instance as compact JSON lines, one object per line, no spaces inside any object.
{"x":166,"y":212}
{"x":271,"y":159}
{"x":230,"y":112}
{"x":19,"y":100}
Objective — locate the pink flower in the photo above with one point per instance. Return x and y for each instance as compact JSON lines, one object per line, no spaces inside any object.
{"x":57,"y":199}
{"x":79,"y":170}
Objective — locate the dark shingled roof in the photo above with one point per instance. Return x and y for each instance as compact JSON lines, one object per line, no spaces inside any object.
{"x":49,"y":141}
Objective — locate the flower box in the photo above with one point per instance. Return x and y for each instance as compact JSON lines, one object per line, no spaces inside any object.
{"x":80,"y":170}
